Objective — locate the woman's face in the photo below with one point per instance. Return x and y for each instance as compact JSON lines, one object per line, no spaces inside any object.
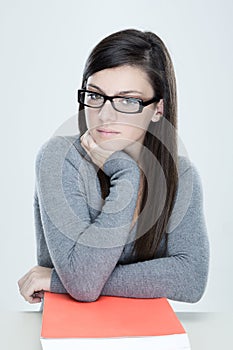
{"x":109,"y":128}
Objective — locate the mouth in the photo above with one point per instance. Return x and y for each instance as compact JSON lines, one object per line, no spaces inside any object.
{"x":108,"y":132}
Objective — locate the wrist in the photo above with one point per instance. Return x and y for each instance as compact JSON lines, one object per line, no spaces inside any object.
{"x":119,"y":160}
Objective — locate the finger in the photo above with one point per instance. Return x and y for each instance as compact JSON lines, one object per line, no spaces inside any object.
{"x":31,"y":298}
{"x":85,"y":142}
{"x":30,"y":286}
{"x":84,"y":136}
{"x":34,"y":300}
{"x":90,"y":141}
{"x":23,"y":279}
{"x":39,"y":294}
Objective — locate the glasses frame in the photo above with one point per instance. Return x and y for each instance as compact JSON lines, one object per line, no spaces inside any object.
{"x":142,"y":103}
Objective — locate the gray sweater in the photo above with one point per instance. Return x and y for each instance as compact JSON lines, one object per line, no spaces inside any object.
{"x":88,"y":242}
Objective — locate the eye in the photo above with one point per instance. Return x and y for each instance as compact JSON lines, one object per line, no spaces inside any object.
{"x":129,"y":101}
{"x":94,"y":96}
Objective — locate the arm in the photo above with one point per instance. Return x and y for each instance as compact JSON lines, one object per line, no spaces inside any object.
{"x":182,"y":274}
{"x":83,"y":253}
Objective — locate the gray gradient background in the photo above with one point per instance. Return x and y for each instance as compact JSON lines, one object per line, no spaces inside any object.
{"x":44,"y":45}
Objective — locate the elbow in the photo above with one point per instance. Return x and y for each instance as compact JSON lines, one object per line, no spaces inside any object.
{"x":88,"y":298}
{"x":194,"y":281}
{"x":189,"y":294}
{"x":200,"y":280}
{"x":84,"y":297}
{"x":194,"y":288}
{"x":195,"y":296}
{"x":198,"y":290}
{"x":84,"y":293}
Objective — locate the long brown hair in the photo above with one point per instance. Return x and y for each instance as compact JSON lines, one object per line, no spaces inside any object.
{"x":148,"y":52}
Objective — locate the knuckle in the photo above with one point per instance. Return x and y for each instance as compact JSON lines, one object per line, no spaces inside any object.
{"x":34,"y":269}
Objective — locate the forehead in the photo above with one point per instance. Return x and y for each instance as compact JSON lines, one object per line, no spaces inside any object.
{"x":123,"y":78}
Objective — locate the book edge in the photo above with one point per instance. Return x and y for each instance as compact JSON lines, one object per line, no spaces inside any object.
{"x":171,"y":342}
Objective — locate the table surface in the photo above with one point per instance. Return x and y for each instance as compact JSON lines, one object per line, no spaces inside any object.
{"x":206,"y":331}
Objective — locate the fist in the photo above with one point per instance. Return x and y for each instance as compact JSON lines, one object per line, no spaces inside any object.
{"x":33,"y":284}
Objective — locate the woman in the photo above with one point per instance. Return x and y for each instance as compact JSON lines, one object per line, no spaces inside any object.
{"x":117,"y":210}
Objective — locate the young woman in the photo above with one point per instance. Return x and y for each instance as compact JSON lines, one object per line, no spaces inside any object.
{"x":117,"y":210}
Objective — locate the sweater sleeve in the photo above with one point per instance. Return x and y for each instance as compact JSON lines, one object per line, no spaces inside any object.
{"x":182,"y":274}
{"x":83,"y":252}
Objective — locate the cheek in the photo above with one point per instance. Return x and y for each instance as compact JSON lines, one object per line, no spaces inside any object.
{"x":93,"y":120}
{"x":134,"y":132}
{"x":137,"y":128}
{"x":90,"y":119}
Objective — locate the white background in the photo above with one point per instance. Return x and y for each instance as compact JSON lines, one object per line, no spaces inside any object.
{"x":44,"y":45}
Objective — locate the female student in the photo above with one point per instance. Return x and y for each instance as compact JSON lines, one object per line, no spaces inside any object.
{"x":117,"y":210}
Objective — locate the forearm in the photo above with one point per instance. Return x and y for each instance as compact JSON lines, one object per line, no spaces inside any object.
{"x":173,"y":278}
{"x":84,"y":253}
{"x":182,"y":274}
{"x":176,"y":278}
{"x":56,"y":285}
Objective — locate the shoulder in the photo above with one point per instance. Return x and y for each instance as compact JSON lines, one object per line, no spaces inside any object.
{"x":57,"y":149}
{"x":184,"y":164}
{"x":188,"y":175}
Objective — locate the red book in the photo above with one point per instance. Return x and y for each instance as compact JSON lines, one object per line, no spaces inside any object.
{"x":110,"y":323}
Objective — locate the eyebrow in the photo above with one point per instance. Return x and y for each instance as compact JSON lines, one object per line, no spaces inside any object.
{"x":119,"y":93}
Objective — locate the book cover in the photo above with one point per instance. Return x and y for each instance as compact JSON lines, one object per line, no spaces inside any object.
{"x":110,"y":323}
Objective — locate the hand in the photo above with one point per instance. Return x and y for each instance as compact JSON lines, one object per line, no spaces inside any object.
{"x":97,"y":154}
{"x":34,"y":283}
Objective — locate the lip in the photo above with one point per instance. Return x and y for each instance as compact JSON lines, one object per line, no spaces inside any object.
{"x":108,"y":131}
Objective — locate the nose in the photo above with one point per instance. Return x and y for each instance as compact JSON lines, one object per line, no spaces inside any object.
{"x":107,"y":112}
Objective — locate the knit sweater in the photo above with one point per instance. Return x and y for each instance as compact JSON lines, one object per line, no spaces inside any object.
{"x":88,"y":241}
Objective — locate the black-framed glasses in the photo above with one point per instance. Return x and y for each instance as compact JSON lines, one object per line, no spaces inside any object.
{"x":129,"y":105}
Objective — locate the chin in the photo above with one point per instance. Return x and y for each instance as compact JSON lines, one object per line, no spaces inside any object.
{"x":113,"y":144}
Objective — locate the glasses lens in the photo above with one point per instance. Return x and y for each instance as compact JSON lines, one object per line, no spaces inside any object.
{"x":91,"y":99}
{"x":127,"y":105}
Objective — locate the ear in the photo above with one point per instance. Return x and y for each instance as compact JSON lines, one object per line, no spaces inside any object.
{"x":158,"y":113}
